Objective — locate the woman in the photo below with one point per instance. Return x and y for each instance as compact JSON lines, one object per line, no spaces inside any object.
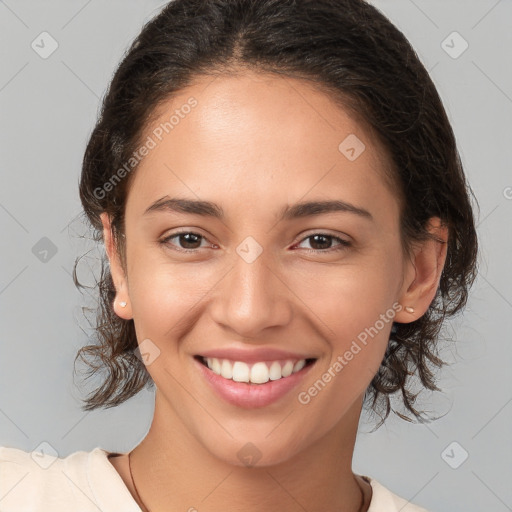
{"x":287,"y":225}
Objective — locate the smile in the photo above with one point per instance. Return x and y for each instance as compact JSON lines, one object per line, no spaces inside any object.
{"x":256,"y":373}
{"x":254,"y":384}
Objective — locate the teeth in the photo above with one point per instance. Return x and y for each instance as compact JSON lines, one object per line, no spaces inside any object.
{"x":275,"y":371}
{"x":287,"y":369}
{"x":299,"y":365}
{"x":216,"y":366}
{"x":258,"y":373}
{"x":240,"y":372}
{"x":226,"y":370}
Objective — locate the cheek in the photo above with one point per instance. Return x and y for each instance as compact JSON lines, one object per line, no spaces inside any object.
{"x":351,"y":297}
{"x":356,"y":350}
{"x":355,"y":307}
{"x":163,"y":294}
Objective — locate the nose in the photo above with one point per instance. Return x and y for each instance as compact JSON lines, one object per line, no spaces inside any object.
{"x":252,"y":297}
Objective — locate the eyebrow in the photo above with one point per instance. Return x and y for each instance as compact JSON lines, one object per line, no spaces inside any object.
{"x":289,"y":212}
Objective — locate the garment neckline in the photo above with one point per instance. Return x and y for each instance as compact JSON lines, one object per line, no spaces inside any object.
{"x":120,"y":498}
{"x":111,"y":494}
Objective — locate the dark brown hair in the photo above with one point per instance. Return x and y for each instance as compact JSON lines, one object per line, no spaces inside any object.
{"x":346,"y":48}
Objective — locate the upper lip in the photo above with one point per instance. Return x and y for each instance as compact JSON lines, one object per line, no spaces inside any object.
{"x":253,"y":355}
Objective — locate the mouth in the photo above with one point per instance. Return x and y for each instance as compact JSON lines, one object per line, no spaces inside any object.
{"x":258,"y":372}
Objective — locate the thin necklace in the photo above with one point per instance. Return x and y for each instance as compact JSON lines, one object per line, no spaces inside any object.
{"x":146,"y":508}
{"x":134,"y":486}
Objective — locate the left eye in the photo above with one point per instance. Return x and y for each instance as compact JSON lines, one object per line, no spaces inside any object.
{"x":323,"y":239}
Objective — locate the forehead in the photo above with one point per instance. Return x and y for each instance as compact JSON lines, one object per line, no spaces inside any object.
{"x":264,"y":137}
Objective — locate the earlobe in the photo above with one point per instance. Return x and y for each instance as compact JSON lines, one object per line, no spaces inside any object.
{"x":121,"y":303}
{"x":122,"y":309}
{"x":427,"y":266}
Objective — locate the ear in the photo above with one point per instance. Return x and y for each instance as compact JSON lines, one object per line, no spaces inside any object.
{"x":117,"y":272}
{"x":423,"y":273}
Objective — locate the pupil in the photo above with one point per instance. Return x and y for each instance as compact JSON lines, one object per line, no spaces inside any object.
{"x":187,"y":235}
{"x":325,"y":238}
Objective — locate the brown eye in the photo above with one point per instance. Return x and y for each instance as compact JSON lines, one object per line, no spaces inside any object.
{"x":186,"y":241}
{"x":322,"y":242}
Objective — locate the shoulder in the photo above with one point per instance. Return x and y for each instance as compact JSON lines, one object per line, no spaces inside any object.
{"x":39,"y":481}
{"x":384,"y":500}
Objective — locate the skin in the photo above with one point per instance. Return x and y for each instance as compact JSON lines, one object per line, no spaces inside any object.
{"x":254,"y":144}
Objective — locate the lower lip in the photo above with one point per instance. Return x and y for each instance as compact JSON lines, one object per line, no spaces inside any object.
{"x":247,"y":395}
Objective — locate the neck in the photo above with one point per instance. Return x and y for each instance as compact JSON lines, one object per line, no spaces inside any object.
{"x":173,"y":472}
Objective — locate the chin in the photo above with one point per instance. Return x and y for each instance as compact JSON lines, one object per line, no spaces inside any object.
{"x":258,"y":453}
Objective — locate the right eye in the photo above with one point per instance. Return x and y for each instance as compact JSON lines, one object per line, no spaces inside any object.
{"x":189,"y":239}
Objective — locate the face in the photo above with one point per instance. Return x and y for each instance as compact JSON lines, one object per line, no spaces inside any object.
{"x":243,"y":281}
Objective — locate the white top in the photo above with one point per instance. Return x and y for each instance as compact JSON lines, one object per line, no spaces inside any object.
{"x":87,"y":482}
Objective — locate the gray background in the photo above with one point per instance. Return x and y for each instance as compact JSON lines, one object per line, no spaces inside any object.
{"x":48,"y":108}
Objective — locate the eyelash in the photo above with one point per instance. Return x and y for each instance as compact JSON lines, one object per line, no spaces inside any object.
{"x":343,"y":244}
